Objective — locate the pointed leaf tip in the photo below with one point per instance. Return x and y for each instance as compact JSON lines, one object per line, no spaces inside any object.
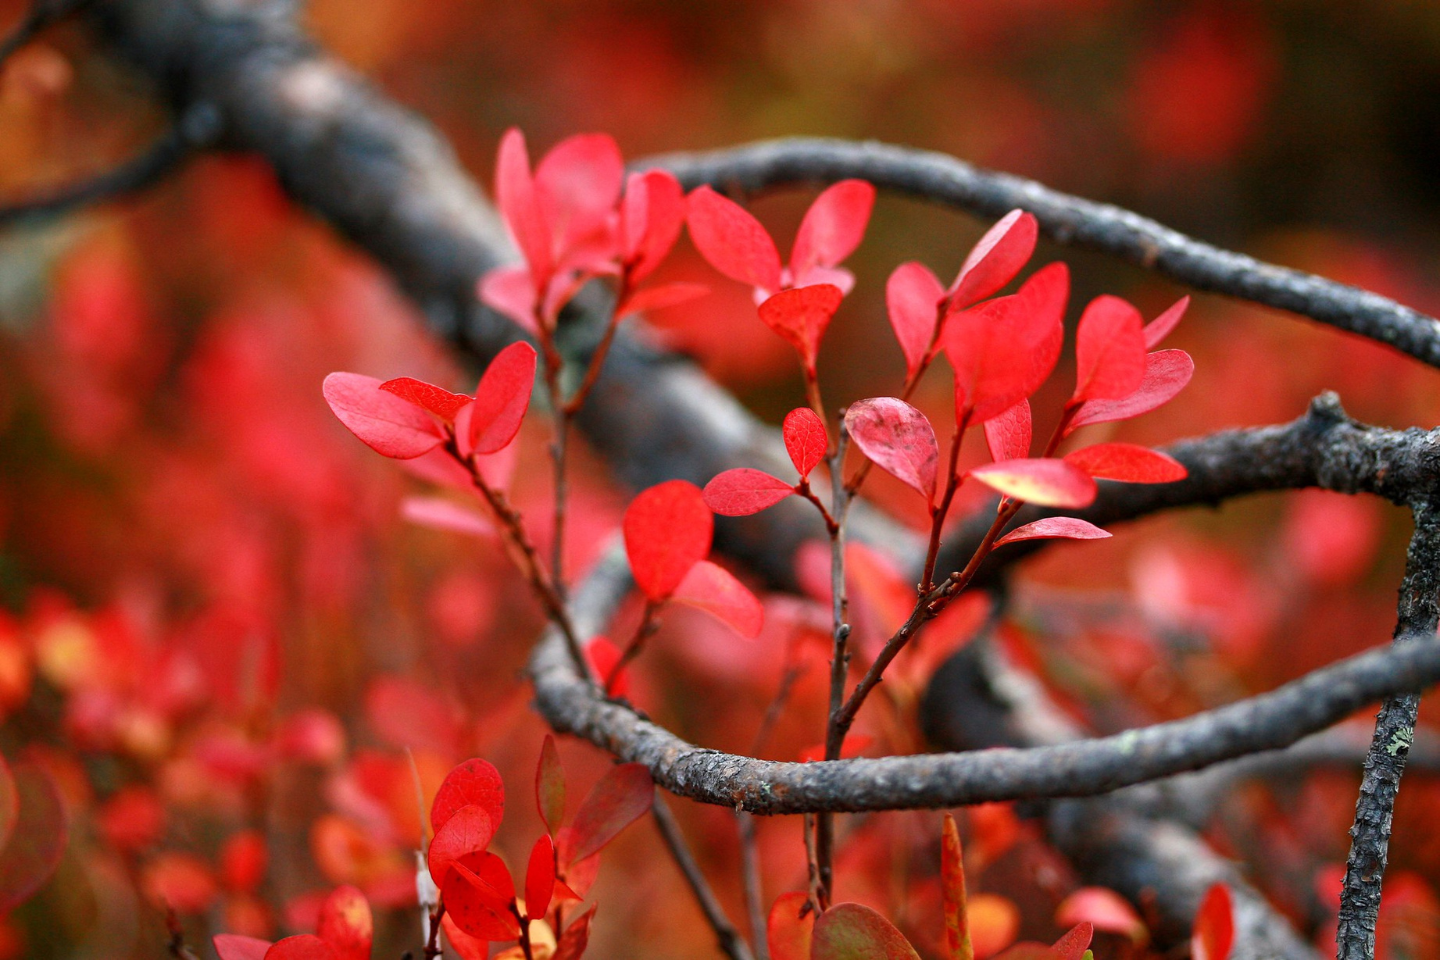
{"x":832,"y":228}
{"x":1055,"y":528}
{"x":382,"y":421}
{"x":743,"y":491}
{"x":996,"y":259}
{"x":801,"y":316}
{"x":1109,"y":351}
{"x":912,"y":301}
{"x":501,"y":399}
{"x":805,"y":439}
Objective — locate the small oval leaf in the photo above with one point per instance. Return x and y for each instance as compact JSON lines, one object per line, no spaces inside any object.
{"x":850,"y":931}
{"x":743,"y":491}
{"x":1054,"y":528}
{"x":1048,"y":483}
{"x":667,"y":531}
{"x":898,"y":438}
{"x":805,"y":439}
{"x":383,"y":422}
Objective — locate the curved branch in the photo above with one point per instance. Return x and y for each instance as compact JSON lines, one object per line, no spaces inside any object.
{"x":1065,"y":219}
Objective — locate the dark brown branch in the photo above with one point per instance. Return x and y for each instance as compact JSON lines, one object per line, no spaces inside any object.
{"x":730,"y":940}
{"x":1065,"y":219}
{"x":1394,"y":728}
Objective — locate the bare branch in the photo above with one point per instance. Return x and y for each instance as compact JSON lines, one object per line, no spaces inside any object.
{"x":1065,"y":219}
{"x":731,"y":942}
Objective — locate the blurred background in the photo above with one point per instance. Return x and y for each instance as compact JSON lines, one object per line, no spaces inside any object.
{"x":220,"y":637}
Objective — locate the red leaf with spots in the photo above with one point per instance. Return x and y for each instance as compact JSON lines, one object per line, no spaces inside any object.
{"x":540,"y":878}
{"x":849,"y":931}
{"x":1128,"y":462}
{"x":478,"y":893}
{"x":437,"y":400}
{"x":501,"y":399}
{"x":667,"y":531}
{"x":1109,"y":351}
{"x":711,"y":588}
{"x":1166,"y":374}
{"x":899,"y":440}
{"x":833,"y":227}
{"x":621,"y":797}
{"x":476,"y":782}
{"x":743,"y":491}
{"x":994,"y":261}
{"x":1055,"y":528}
{"x":805,"y":439}
{"x":466,"y":946}
{"x":1048,"y":483}
{"x":732,"y":240}
{"x":1008,"y":435}
{"x":1075,"y":942}
{"x":912,"y":300}
{"x":801,"y":316}
{"x":384,"y":422}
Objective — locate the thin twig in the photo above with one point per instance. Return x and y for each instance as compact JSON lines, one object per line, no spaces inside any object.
{"x":752,"y":884}
{"x":730,"y":940}
{"x":839,"y":656}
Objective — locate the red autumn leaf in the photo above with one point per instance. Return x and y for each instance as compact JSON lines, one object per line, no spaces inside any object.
{"x":787,"y":933}
{"x":37,"y":841}
{"x":994,"y":261}
{"x":912,"y":300}
{"x":1159,"y":328}
{"x":1109,"y":351}
{"x":604,"y":658}
{"x":346,"y":923}
{"x":501,"y":399}
{"x":1075,"y":942}
{"x":478,"y":893}
{"x":243,"y":860}
{"x":1008,"y":435}
{"x":1055,"y":528}
{"x":438,"y":513}
{"x":667,"y":531}
{"x":743,"y":491}
{"x":711,"y":588}
{"x":849,"y":931}
{"x":540,"y":878}
{"x":1105,"y":910}
{"x":550,"y":785}
{"x":665,"y":295}
{"x":468,"y":830}
{"x":1166,"y":374}
{"x":9,"y":802}
{"x":519,"y":204}
{"x":621,"y":797}
{"x":1049,"y":483}
{"x":832,"y":228}
{"x":232,"y":946}
{"x":1127,"y":461}
{"x":899,"y":440}
{"x":466,"y":946}
{"x":732,"y":240}
{"x":575,"y":938}
{"x":304,"y":947}
{"x":1214,"y":930}
{"x":510,"y":291}
{"x":577,"y":186}
{"x":801,"y":315}
{"x":475,"y":781}
{"x":1004,"y":349}
{"x":437,"y":400}
{"x":805,"y":439}
{"x":385,"y":423}
{"x":952,"y":879}
{"x":652,"y":214}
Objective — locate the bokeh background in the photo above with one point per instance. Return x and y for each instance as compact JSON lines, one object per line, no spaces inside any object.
{"x":220,"y":636}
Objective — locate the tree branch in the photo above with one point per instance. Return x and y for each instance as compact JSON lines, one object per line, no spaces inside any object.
{"x":1066,"y":219}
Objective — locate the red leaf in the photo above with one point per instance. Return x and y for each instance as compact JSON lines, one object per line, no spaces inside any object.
{"x":665,"y":295}
{"x":501,"y":399}
{"x":232,"y":946}
{"x":479,"y":899}
{"x":732,"y":240}
{"x":437,"y":513}
{"x":540,"y":878}
{"x":475,"y":782}
{"x":1214,"y":930}
{"x":912,"y":299}
{"x":711,"y":588}
{"x":576,"y":937}
{"x":743,"y":491}
{"x":1166,"y":374}
{"x":801,"y":315}
{"x":511,"y":291}
{"x":38,"y":838}
{"x":520,"y":206}
{"x":621,"y":797}
{"x":833,"y":227}
{"x":805,"y":439}
{"x":667,"y":531}
{"x":1105,"y":910}
{"x":468,"y":830}
{"x":346,"y":923}
{"x":468,"y":947}
{"x":1109,"y":351}
{"x":787,"y":933}
{"x":849,"y":931}
{"x":1159,"y":328}
{"x":9,"y":803}
{"x":550,"y":786}
{"x":1004,"y":349}
{"x":652,"y":214}
{"x":577,"y":186}
{"x":952,"y":879}
{"x":1055,"y":528}
{"x":1128,"y":462}
{"x":1049,"y":483}
{"x":304,"y":947}
{"x":385,"y":423}
{"x":437,"y":400}
{"x":1075,"y":942}
{"x":1008,"y":435}
{"x":994,"y":261}
{"x":604,"y":658}
{"x":898,"y":438}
